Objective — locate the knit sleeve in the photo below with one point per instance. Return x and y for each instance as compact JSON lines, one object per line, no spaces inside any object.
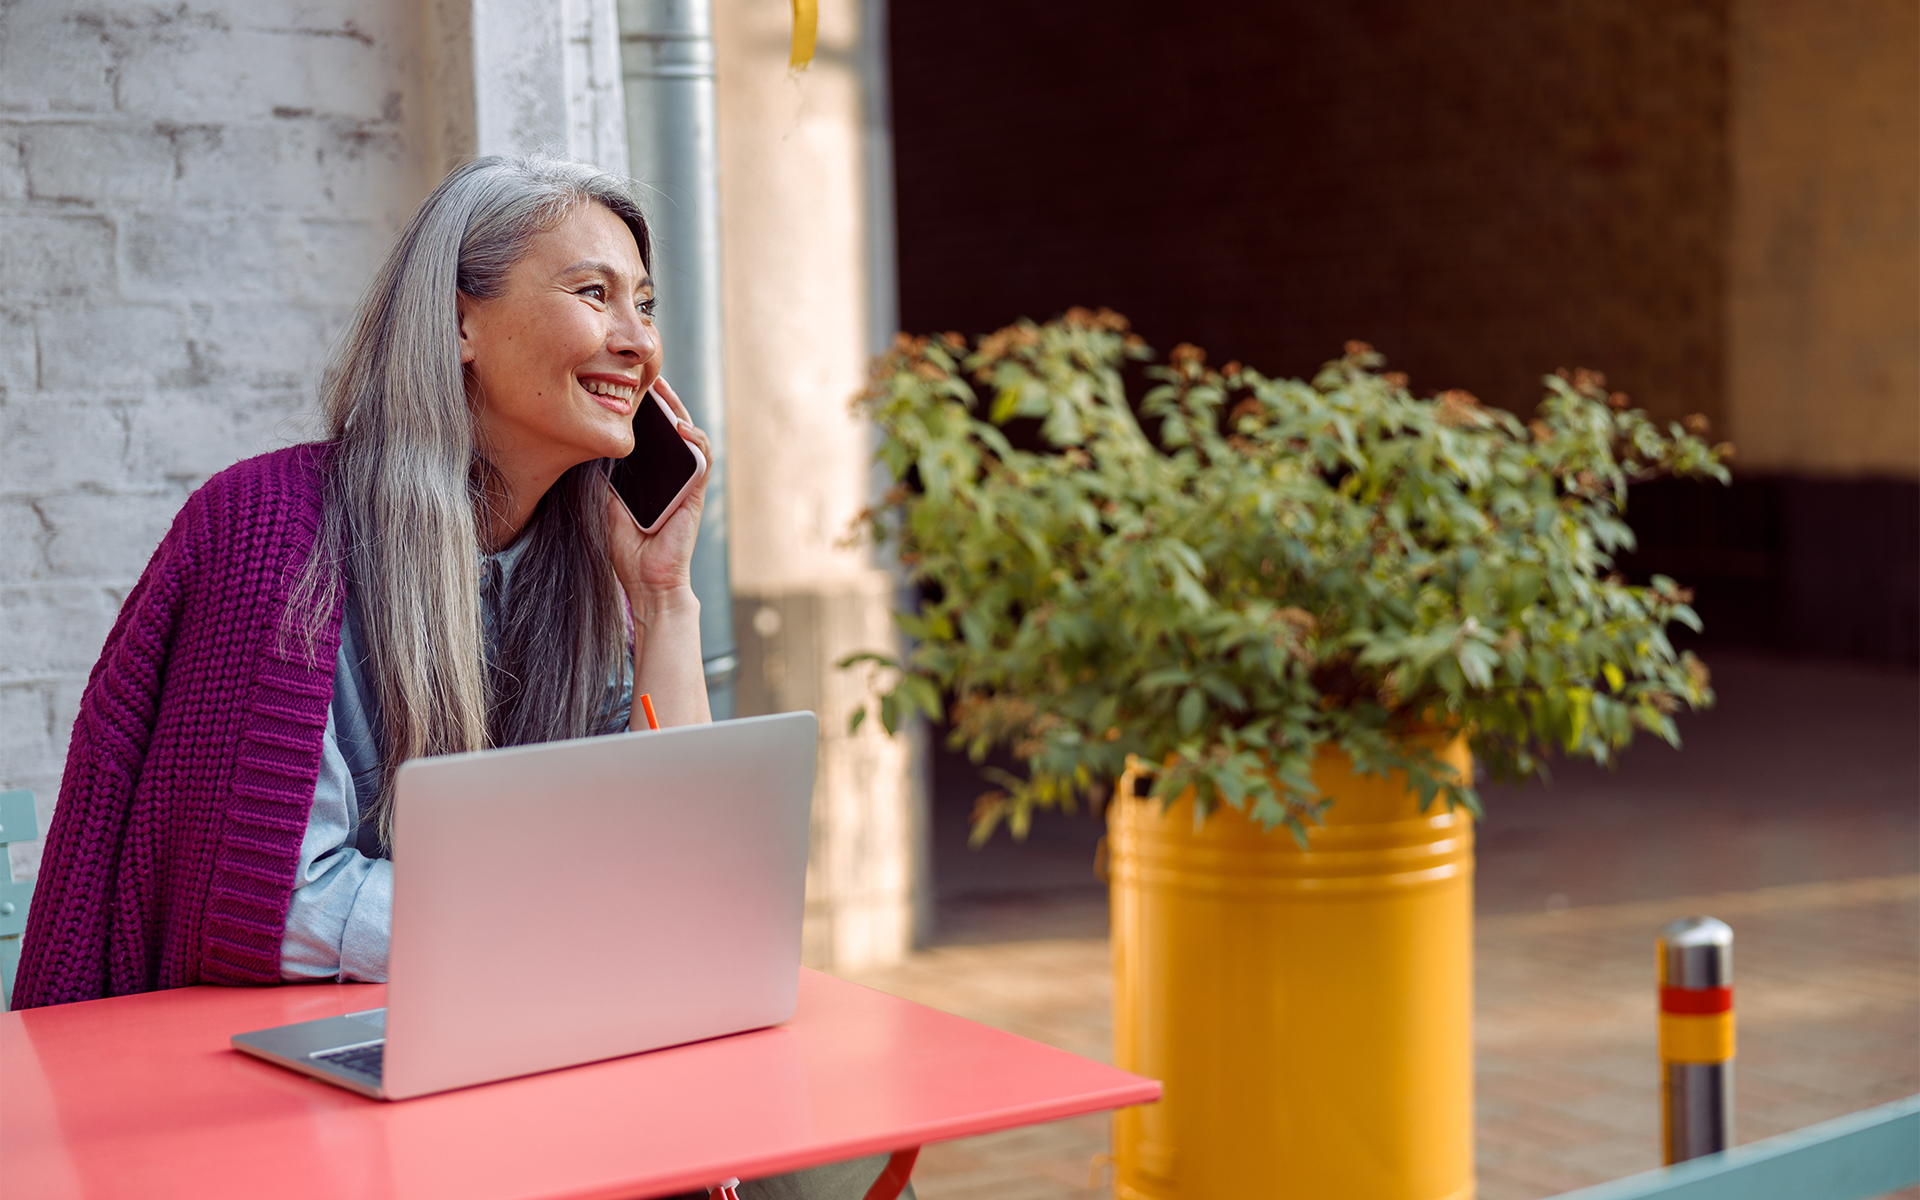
{"x":68,"y":921}
{"x":173,"y":844}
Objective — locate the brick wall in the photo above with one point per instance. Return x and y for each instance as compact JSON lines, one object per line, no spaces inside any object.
{"x":191,"y":199}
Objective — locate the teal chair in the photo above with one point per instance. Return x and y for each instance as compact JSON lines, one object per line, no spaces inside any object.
{"x":17,"y":824}
{"x":1863,"y":1154}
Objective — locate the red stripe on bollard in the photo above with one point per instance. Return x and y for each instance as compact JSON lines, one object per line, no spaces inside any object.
{"x":1696,"y":1001}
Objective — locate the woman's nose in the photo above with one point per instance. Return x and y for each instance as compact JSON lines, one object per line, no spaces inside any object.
{"x":634,"y":335}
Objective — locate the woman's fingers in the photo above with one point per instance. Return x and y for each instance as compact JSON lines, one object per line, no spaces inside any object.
{"x":672,"y":398}
{"x":698,"y":437}
{"x":688,"y":429}
{"x":658,"y":561}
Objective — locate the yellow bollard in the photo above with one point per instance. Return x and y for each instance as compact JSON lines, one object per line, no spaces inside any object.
{"x":1696,"y":1037}
{"x":1310,"y":1013}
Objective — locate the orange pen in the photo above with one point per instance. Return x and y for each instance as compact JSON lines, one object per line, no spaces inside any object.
{"x":646,"y":702}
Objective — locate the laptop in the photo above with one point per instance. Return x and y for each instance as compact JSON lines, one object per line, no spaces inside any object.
{"x":577,"y":901}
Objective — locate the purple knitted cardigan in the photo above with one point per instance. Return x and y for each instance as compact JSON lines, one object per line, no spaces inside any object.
{"x":171,"y":855}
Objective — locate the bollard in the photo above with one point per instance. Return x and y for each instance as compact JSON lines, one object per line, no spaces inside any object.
{"x":1696,"y":1037}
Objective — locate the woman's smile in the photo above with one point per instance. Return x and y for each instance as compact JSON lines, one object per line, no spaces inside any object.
{"x":616,"y":395}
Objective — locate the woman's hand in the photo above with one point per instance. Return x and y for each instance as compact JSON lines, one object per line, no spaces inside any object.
{"x":657,"y":567}
{"x":656,"y":571}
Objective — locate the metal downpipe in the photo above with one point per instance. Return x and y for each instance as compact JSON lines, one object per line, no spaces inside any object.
{"x":666,"y":67}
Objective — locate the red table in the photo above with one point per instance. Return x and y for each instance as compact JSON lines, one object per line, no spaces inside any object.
{"x":141,"y":1096}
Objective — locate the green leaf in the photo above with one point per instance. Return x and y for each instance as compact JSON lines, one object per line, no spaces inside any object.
{"x":1162,"y":679}
{"x":1192,"y":710}
{"x":1103,"y":716}
{"x":1477,"y":662}
{"x":1224,"y":691}
{"x":1005,"y":404}
{"x":1524,"y":581}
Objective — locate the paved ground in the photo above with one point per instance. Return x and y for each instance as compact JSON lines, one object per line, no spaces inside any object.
{"x":1793,"y":814}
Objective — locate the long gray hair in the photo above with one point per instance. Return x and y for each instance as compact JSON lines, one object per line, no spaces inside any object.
{"x":406,"y":481}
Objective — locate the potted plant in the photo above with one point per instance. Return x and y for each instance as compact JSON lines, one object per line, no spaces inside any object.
{"x":1281,"y":614}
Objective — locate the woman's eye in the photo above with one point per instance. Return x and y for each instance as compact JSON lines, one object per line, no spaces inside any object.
{"x":647,"y":306}
{"x":595,"y":290}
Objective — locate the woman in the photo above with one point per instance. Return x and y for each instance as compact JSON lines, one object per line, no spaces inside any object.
{"x":556,"y":347}
{"x":448,"y":571}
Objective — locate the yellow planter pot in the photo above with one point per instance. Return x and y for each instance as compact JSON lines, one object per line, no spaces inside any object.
{"x":1310,"y":1013}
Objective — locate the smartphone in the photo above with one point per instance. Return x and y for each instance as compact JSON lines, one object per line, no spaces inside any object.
{"x":654,"y":479}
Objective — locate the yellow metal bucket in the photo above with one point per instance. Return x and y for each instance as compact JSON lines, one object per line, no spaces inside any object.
{"x":1310,"y":1013}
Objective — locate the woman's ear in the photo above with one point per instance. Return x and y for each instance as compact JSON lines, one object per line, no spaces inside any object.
{"x":464,"y":306}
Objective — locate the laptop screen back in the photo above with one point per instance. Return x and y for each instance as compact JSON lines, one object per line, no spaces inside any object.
{"x":576,"y":901}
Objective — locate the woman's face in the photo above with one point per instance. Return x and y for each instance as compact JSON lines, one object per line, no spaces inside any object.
{"x":557,"y":361}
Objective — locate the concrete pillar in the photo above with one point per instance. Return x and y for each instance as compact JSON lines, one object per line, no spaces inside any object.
{"x":808,"y":291}
{"x":1823,"y":306}
{"x":548,"y":77}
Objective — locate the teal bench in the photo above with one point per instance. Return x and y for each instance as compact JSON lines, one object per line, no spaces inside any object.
{"x":17,"y":824}
{"x":1863,"y":1154}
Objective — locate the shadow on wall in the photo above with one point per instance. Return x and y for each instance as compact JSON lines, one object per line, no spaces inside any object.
{"x":1797,"y":565}
{"x":1483,"y":191}
{"x":1043,"y":887}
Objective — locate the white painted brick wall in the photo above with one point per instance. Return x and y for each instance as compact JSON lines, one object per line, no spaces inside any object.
{"x":191,"y":199}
